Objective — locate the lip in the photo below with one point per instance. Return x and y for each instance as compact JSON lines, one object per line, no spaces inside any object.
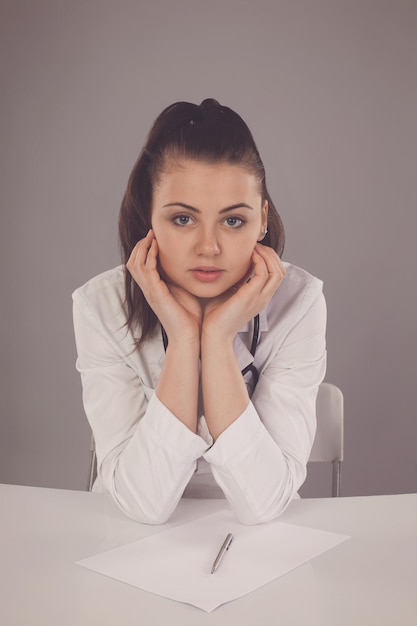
{"x":206,"y":274}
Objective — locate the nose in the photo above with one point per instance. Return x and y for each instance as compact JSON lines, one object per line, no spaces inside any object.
{"x":207,"y":243}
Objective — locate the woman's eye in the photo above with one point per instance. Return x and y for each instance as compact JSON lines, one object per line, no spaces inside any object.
{"x":181,"y":220}
{"x":234,"y":221}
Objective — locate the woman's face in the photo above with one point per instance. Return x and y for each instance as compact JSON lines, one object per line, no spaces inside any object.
{"x":207,"y":219}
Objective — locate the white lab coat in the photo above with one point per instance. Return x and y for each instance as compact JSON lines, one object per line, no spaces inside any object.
{"x":148,"y":459}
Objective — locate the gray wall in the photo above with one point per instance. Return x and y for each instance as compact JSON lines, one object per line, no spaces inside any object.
{"x":329,"y":90}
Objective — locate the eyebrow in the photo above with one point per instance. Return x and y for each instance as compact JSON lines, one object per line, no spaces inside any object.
{"x":238,"y":205}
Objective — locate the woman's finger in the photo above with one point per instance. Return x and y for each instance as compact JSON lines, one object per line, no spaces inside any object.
{"x":139,"y":254}
{"x":273,"y":263}
{"x":152,"y":255}
{"x":259,"y":271}
{"x":267,"y":274}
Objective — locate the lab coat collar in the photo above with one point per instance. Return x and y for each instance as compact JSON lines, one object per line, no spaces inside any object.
{"x":263,"y":323}
{"x":242,"y":343}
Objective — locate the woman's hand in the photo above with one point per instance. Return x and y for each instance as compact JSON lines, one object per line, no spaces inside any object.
{"x":224,"y":391}
{"x":178,"y":311}
{"x":225,"y":315}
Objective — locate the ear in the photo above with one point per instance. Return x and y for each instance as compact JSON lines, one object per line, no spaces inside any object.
{"x":264,"y":218}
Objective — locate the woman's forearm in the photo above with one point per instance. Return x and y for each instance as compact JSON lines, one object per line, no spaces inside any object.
{"x":177,"y":387}
{"x":224,"y":391}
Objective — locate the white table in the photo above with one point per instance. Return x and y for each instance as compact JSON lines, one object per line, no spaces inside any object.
{"x":368,"y":580}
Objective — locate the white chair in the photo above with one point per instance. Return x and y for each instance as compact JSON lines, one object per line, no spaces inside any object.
{"x":329,"y":441}
{"x":328,"y":444}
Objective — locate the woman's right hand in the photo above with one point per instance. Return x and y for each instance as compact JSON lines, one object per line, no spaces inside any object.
{"x":178,"y":311}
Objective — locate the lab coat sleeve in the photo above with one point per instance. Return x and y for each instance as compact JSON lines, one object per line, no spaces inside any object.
{"x":260,"y":460}
{"x":145,"y":455}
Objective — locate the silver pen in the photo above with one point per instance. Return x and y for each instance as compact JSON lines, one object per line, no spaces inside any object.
{"x":222,"y":552}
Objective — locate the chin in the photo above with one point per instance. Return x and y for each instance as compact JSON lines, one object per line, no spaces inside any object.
{"x":209,"y":294}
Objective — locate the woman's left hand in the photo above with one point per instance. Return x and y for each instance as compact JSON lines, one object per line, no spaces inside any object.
{"x":226,"y":314}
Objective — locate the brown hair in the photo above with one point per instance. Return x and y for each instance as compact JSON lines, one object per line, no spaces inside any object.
{"x":207,"y":132}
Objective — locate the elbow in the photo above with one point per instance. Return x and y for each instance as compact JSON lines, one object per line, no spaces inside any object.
{"x":152,"y":519}
{"x":143,"y":510}
{"x":272,"y":505}
{"x":140,"y":512}
{"x":262,"y":516}
{"x":137,"y":506}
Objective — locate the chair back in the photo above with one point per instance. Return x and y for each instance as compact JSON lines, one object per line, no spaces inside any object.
{"x":329,"y":441}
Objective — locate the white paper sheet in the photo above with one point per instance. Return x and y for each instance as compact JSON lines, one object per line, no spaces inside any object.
{"x":176,"y":563}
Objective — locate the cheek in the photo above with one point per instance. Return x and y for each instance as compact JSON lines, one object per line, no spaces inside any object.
{"x":163,"y":256}
{"x":242,"y":261}
{"x":169,"y":255}
{"x":162,"y":240}
{"x":165,"y":266}
{"x":242,"y":249}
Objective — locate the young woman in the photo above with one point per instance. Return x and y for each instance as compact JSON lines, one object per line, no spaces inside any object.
{"x":201,"y":355}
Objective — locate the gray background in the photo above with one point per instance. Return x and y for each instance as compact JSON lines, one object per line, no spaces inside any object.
{"x":329,"y":90}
